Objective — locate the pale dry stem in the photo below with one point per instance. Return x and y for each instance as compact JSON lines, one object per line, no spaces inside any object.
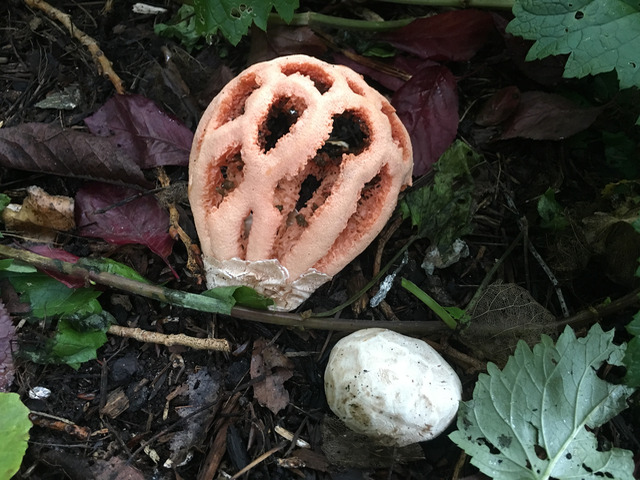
{"x":145,"y":336}
{"x":104,"y":65}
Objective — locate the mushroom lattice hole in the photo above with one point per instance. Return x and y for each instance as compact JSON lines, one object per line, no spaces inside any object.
{"x":349,"y":134}
{"x":283,"y":114}
{"x":233,"y":104}
{"x":321,"y":80}
{"x":224,"y":177}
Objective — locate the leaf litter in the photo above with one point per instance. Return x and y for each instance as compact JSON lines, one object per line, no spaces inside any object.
{"x":431,"y":131}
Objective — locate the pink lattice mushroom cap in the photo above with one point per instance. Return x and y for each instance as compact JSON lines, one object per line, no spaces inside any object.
{"x":295,"y":168}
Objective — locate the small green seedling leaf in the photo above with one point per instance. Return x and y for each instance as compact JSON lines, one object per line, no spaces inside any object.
{"x":14,"y":433}
{"x":535,"y":418}
{"x":551,"y":213}
{"x":442,"y":211}
{"x":48,"y":297}
{"x":241,"y":295}
{"x":234,"y":17}
{"x":598,"y":35}
{"x":182,"y":27}
{"x":442,"y":312}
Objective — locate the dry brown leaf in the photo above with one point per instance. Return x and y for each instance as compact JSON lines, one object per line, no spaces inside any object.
{"x":270,"y":361}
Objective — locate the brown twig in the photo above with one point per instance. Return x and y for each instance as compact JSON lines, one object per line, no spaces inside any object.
{"x":146,"y":336}
{"x":104,"y":65}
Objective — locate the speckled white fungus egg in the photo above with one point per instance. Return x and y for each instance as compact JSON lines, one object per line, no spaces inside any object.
{"x":393,"y":388}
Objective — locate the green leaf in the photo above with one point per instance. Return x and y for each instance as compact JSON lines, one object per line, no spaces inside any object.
{"x":442,"y":211}
{"x":183,"y":28}
{"x":111,"y":266}
{"x":534,"y":419}
{"x":234,"y":17}
{"x":241,"y":295}
{"x":16,"y":266}
{"x":632,"y":355}
{"x":620,"y":152}
{"x":551,"y":213}
{"x":14,"y":425}
{"x":48,"y":297}
{"x":4,"y":201}
{"x":73,"y":347}
{"x":598,"y":35}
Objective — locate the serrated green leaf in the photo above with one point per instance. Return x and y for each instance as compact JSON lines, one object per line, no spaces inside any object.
{"x":234,"y":17}
{"x":14,"y":429}
{"x":598,"y":35}
{"x":48,"y":297}
{"x":551,"y":213}
{"x":528,"y":421}
{"x":442,"y":211}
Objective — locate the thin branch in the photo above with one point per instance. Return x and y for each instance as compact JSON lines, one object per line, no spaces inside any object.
{"x":146,"y":336}
{"x":104,"y":65}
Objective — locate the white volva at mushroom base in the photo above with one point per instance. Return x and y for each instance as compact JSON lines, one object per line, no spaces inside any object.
{"x":393,"y":388}
{"x":267,"y":277}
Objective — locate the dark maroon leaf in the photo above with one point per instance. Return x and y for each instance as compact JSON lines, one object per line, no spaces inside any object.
{"x":58,"y":254}
{"x":428,"y":106}
{"x":140,"y":221}
{"x":143,"y":131}
{"x":546,"y":116}
{"x":7,"y":335}
{"x":387,"y":74}
{"x":499,"y":107}
{"x":455,"y":35}
{"x":47,"y":148}
{"x":547,"y":71}
{"x":279,"y":41}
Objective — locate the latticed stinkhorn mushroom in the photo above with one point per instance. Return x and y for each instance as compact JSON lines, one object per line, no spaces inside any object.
{"x":295,"y":168}
{"x":395,"y":389}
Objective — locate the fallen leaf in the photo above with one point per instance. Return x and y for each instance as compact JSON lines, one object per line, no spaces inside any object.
{"x":428,"y":107}
{"x":140,"y":221}
{"x":547,"y":71}
{"x":47,"y":148}
{"x":387,"y":73}
{"x":279,"y":41}
{"x":451,"y":36}
{"x":500,"y":106}
{"x":58,"y":254}
{"x":115,"y":469}
{"x":40,"y":214}
{"x":143,"y":131}
{"x":7,"y":336}
{"x":268,"y":360}
{"x":547,"y":116}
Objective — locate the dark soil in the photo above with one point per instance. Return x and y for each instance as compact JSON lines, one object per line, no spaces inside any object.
{"x":37,"y":58}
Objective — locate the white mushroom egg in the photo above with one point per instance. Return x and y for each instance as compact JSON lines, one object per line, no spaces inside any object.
{"x":395,"y":389}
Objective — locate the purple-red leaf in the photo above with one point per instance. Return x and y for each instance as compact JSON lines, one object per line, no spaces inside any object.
{"x":7,"y":335}
{"x":58,"y":254}
{"x":140,"y":221}
{"x":546,"y":116}
{"x":47,"y":148}
{"x":499,"y":107}
{"x":428,"y":106}
{"x":455,"y":36}
{"x":142,"y":130}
